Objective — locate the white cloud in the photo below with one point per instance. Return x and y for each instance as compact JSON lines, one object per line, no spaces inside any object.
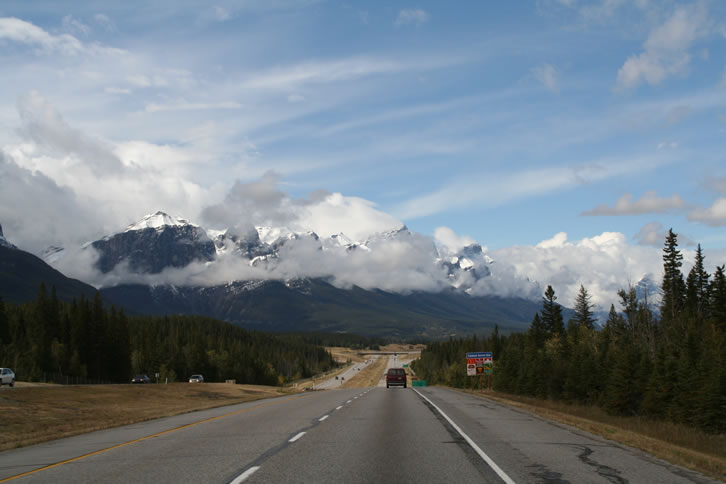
{"x":415,"y":16}
{"x":603,"y":264}
{"x":666,"y":51}
{"x":23,"y":32}
{"x":547,"y":75}
{"x":447,"y":237}
{"x":187,"y":106}
{"x":496,"y":188}
{"x":47,"y":129}
{"x":649,"y":203}
{"x":295,"y":98}
{"x":221,"y":14}
{"x":652,"y":234}
{"x":116,"y":90}
{"x":75,"y":26}
{"x":715,"y":215}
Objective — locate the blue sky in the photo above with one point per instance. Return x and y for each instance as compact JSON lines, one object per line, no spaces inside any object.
{"x":506,"y":122}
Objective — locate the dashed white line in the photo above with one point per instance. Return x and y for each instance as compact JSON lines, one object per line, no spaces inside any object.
{"x":338,"y":407}
{"x":473,"y":445}
{"x":323,"y":417}
{"x":242,"y":477}
{"x":296,"y":437}
{"x":349,"y":401}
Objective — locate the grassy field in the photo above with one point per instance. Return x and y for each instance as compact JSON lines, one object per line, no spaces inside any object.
{"x":679,"y":444}
{"x":38,"y":413}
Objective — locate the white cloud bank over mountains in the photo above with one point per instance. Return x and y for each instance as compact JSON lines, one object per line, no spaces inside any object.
{"x":59,"y":186}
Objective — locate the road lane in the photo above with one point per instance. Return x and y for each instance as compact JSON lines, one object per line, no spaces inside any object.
{"x":387,"y":435}
{"x":531,"y":449}
{"x":212,"y":451}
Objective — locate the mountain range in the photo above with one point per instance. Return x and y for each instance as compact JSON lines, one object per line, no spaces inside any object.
{"x":167,"y":265}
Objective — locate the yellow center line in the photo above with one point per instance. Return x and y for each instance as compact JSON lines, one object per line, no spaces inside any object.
{"x":90,"y":454}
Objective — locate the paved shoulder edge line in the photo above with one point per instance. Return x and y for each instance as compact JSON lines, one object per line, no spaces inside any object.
{"x":468,"y":439}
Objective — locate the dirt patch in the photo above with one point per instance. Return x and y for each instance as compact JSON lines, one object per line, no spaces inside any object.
{"x":34,"y":414}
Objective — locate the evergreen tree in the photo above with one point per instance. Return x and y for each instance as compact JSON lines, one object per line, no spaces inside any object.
{"x":552,"y":313}
{"x":673,"y":287}
{"x":583,"y":310}
{"x":537,"y":331}
{"x":717,"y":303}
{"x":697,"y":286}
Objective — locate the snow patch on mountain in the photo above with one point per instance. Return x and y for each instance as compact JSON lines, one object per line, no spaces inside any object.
{"x":157,"y":220}
{"x":4,"y":242}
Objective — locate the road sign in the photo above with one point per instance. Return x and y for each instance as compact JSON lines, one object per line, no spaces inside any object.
{"x":480,"y":363}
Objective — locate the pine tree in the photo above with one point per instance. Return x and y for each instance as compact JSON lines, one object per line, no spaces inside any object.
{"x":583,"y":310}
{"x":538,"y":331}
{"x":673,"y":287}
{"x":552,"y":313}
{"x":697,"y":286}
{"x":717,"y":303}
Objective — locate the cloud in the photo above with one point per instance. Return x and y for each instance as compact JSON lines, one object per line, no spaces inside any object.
{"x":666,"y":51}
{"x":715,"y":215}
{"x":23,"y":32}
{"x":187,"y":106}
{"x":449,"y":238}
{"x":262,"y":203}
{"x":547,"y":75}
{"x":329,"y":71}
{"x":415,"y":16}
{"x":496,"y":188}
{"x":652,"y":234}
{"x":75,"y":26}
{"x":45,"y":43}
{"x":221,"y":14}
{"x":116,"y":90}
{"x":603,"y":264}
{"x":46,"y":128}
{"x":36,"y":212}
{"x":650,"y":203}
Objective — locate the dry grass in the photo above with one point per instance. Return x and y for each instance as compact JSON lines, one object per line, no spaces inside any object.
{"x":679,"y":444}
{"x":344,"y":354}
{"x":368,"y":376}
{"x":34,"y":414}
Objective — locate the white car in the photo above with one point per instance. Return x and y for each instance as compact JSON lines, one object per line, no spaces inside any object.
{"x":7,"y":377}
{"x":196,"y":379}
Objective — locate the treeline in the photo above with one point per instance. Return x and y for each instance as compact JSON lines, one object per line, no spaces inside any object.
{"x":54,"y":340}
{"x":666,"y":363}
{"x":346,"y":340}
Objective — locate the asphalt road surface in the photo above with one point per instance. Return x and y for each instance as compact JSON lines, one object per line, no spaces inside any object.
{"x":348,"y":435}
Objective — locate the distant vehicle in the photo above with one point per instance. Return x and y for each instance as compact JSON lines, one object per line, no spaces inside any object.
{"x":7,"y":377}
{"x":396,"y":377}
{"x":141,"y":379}
{"x":196,"y":379}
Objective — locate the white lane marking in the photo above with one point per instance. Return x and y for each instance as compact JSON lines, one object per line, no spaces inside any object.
{"x":473,"y":445}
{"x":338,"y":407}
{"x":296,"y":437}
{"x":242,"y":477}
{"x":323,"y":417}
{"x":349,"y":401}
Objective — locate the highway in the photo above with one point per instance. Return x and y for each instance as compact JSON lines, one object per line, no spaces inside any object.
{"x":420,"y":434}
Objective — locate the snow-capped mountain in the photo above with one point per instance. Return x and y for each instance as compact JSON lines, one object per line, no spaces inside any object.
{"x":3,"y":241}
{"x":159,"y":241}
{"x":154,"y":243}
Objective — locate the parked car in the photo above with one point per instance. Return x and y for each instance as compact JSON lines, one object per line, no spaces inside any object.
{"x":396,"y":377}
{"x":7,"y":377}
{"x":196,"y":379}
{"x":141,"y":379}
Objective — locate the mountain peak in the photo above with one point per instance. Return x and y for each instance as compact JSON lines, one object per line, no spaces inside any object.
{"x":157,"y":220}
{"x":3,"y":241}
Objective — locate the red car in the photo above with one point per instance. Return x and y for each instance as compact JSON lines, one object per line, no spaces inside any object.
{"x":396,"y":377}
